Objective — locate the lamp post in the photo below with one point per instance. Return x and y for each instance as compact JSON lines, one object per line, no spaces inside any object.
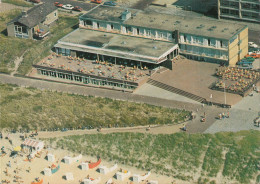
{"x":225,"y":100}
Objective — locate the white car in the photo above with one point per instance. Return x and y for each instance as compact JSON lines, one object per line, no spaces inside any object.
{"x":68,"y":6}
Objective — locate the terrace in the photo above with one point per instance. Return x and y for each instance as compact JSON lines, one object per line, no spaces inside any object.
{"x":92,"y":72}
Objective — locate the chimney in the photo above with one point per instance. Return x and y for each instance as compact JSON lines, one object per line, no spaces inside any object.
{"x":126,"y":15}
{"x":24,"y":13}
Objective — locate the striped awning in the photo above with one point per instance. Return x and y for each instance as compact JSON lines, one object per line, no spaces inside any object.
{"x":31,"y":143}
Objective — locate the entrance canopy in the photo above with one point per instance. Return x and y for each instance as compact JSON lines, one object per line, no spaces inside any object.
{"x":117,"y":45}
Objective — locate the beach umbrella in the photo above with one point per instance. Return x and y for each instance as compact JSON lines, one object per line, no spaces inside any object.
{"x":18,"y":148}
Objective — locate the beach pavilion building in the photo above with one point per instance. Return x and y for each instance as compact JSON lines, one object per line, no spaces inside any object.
{"x":153,"y":38}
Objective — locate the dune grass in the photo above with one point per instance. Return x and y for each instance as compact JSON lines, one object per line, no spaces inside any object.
{"x":29,"y":108}
{"x":18,"y":3}
{"x":10,"y":47}
{"x":232,"y":156}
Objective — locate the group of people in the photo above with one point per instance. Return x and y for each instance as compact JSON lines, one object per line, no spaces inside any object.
{"x":223,"y":115}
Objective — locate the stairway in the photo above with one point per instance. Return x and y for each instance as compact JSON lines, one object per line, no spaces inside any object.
{"x":176,"y":90}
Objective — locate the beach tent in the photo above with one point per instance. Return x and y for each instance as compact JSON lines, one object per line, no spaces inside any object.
{"x":33,"y":145}
{"x":105,"y":170}
{"x":84,"y":166}
{"x":110,"y":181}
{"x":47,"y":172}
{"x":69,"y":176}
{"x":139,"y":178}
{"x":91,"y":181}
{"x":67,"y":160}
{"x":122,"y":175}
{"x":153,"y":182}
{"x":50,"y":157}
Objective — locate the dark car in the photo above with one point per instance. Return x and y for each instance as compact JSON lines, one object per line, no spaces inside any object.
{"x":77,"y":8}
{"x":110,"y":3}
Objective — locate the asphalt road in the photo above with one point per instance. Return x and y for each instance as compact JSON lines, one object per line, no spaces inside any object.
{"x":83,"y":5}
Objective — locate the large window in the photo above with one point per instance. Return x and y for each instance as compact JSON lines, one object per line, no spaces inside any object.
{"x":20,"y":29}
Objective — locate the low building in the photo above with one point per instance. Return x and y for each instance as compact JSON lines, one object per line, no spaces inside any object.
{"x":246,"y":10}
{"x":33,"y":145}
{"x":33,"y":23}
{"x":210,"y":41}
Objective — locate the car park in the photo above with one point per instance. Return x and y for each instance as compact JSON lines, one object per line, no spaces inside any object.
{"x":68,"y":6}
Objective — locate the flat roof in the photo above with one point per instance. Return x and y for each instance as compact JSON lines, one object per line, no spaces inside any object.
{"x":185,"y":24}
{"x":107,"y":13}
{"x":117,"y":45}
{"x":168,"y":22}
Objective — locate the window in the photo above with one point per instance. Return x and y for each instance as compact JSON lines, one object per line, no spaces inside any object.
{"x":55,"y":14}
{"x":208,"y":42}
{"x":112,"y":26}
{"x":221,"y":43}
{"x":138,"y":31}
{"x":185,"y":38}
{"x":88,"y":22}
{"x":20,"y":29}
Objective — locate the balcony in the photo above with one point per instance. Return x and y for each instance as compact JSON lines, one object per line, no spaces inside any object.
{"x":41,"y":32}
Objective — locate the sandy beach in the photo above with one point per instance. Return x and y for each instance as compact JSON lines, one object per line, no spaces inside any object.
{"x":28,"y":171}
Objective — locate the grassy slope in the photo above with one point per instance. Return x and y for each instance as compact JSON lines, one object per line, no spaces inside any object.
{"x":43,"y":48}
{"x":178,"y":155}
{"x":10,"y":47}
{"x":34,"y":108}
{"x":18,"y":3}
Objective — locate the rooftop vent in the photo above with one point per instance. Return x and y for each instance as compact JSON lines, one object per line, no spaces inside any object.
{"x":225,"y":28}
{"x":105,"y":35}
{"x":186,"y":26}
{"x":214,"y":27}
{"x":210,"y":29}
{"x":124,"y":43}
{"x":154,"y":47}
{"x":126,"y":15}
{"x":24,"y":13}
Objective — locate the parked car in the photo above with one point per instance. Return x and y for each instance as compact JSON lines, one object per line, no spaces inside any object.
{"x":58,"y":4}
{"x":96,"y":1}
{"x":77,"y":8}
{"x":252,"y":44}
{"x":110,"y":3}
{"x":68,"y":6}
